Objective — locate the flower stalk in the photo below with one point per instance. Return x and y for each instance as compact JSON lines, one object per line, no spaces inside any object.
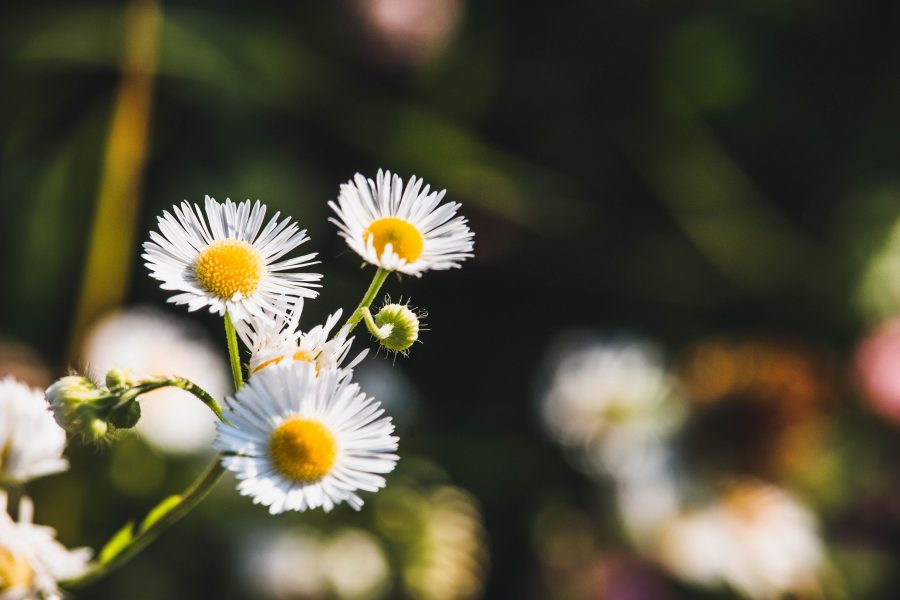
{"x":233,"y":354}
{"x":130,"y":540}
{"x":374,"y":287}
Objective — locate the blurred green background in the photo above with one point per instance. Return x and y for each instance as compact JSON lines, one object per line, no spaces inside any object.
{"x":683,"y":170}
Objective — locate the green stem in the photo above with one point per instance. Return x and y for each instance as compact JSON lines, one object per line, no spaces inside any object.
{"x":377,"y":282}
{"x":233,"y":354}
{"x":129,"y":541}
{"x":186,"y":502}
{"x":179,"y":382}
{"x":379,"y":333}
{"x":200,"y":393}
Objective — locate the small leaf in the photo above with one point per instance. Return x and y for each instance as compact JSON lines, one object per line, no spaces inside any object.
{"x":159,"y":511}
{"x":117,"y":543}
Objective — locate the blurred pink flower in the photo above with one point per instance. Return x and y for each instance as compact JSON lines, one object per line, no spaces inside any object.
{"x":410,"y":32}
{"x":878,"y":369}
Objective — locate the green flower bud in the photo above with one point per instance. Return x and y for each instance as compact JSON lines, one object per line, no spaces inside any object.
{"x":119,"y":379}
{"x":403,"y":328}
{"x":80,"y":407}
{"x":127,"y":416}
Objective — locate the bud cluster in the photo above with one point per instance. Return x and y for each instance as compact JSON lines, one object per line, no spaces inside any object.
{"x":94,"y":412}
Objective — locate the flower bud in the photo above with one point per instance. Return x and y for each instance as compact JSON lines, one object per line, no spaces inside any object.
{"x":404,"y":326}
{"x":126,"y":416}
{"x":118,"y":378}
{"x":80,"y":407}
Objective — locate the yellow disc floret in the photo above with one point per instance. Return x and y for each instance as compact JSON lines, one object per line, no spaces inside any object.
{"x":15,"y":572}
{"x":229,"y":267}
{"x":302,"y":450}
{"x":403,"y":237}
{"x":299,"y":355}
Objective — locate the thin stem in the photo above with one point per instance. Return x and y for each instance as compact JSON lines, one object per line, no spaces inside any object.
{"x":179,"y":382}
{"x":231,"y":337}
{"x":379,"y":333}
{"x":201,"y":394}
{"x":171,"y":510}
{"x":377,"y":282}
{"x":189,"y":499}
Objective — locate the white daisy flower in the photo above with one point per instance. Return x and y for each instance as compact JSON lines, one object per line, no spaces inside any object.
{"x":401,"y":229}
{"x":151,"y":343}
{"x":229,"y":264}
{"x":31,"y":560}
{"x":271,"y":339}
{"x":31,"y":442}
{"x":299,"y":440}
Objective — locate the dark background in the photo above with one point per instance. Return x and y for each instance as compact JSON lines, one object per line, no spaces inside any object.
{"x":675,"y":169}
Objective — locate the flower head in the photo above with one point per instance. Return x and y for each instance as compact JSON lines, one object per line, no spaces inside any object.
{"x":31,"y":443}
{"x":273,"y":339}
{"x":229,"y":261}
{"x":401,"y":229}
{"x":299,"y":439}
{"x":31,"y":560}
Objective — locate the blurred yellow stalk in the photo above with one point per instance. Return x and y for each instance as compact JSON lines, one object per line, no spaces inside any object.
{"x":111,"y":245}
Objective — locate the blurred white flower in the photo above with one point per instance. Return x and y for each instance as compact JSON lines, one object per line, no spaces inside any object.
{"x":755,"y":538}
{"x":649,"y":495}
{"x":615,"y":401}
{"x":150,"y":342}
{"x":283,"y":565}
{"x":31,"y":560}
{"x":348,"y":564}
{"x":31,"y":443}
{"x":355,"y":565}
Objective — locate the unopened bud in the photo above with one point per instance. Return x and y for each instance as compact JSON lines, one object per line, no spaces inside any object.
{"x":80,"y":407}
{"x":127,"y":416}
{"x":118,"y":378}
{"x":403,"y":330}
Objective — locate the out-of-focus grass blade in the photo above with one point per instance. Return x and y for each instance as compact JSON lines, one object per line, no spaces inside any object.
{"x":269,"y":69}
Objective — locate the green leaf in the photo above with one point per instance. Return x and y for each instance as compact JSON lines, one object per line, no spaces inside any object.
{"x":160,"y":510}
{"x":117,"y":543}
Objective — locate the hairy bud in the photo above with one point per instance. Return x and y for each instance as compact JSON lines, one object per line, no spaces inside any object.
{"x":399,"y":325}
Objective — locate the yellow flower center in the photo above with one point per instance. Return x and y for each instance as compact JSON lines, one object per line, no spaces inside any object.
{"x":403,"y":237}
{"x":229,"y":267}
{"x":302,"y":450}
{"x":15,"y":572}
{"x":299,"y":355}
